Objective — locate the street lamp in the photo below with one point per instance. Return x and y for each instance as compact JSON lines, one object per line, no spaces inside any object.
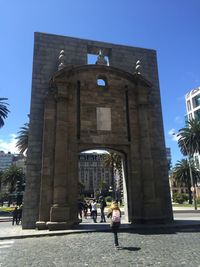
{"x":111,"y":191}
{"x":193,"y":186}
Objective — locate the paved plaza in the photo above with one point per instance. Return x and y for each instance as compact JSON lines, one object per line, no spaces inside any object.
{"x":144,"y":248}
{"x":92,"y":245}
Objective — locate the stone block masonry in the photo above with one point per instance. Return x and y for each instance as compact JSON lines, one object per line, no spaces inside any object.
{"x":63,"y":122}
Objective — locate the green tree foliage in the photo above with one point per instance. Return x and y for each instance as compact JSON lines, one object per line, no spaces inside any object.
{"x":114,"y":161}
{"x":103,"y":187}
{"x":22,"y":143}
{"x":1,"y":175}
{"x":189,"y":138}
{"x":3,"y":111}
{"x":3,"y":197}
{"x":11,"y":176}
{"x":181,"y":175}
{"x":180,"y":198}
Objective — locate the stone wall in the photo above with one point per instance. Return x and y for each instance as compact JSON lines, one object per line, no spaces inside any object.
{"x":45,"y":63}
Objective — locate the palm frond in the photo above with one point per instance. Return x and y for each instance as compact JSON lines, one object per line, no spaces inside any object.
{"x":3,"y":111}
{"x":22,"y":143}
{"x":189,"y":138}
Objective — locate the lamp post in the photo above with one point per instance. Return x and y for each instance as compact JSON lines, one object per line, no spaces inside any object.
{"x":111,"y":191}
{"x":193,"y":186}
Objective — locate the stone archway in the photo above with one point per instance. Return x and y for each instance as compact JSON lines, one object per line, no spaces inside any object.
{"x":78,"y":113}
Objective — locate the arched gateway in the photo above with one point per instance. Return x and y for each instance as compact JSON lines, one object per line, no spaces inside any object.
{"x":82,"y":106}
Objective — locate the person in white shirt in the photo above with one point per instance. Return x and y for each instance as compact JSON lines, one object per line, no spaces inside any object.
{"x":94,"y":210}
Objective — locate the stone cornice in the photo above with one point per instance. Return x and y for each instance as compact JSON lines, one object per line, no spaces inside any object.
{"x":61,"y":75}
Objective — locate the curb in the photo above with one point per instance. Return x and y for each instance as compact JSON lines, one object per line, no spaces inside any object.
{"x":134,"y":228}
{"x":186,"y":211}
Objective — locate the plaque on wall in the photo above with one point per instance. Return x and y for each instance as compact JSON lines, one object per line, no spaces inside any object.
{"x":103,"y":119}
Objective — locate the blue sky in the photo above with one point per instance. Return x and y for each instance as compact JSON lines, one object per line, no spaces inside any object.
{"x":170,"y":27}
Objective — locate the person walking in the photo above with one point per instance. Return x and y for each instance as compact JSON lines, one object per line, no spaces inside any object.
{"x":85,"y":209}
{"x":80,"y":209}
{"x":102,"y":203}
{"x":114,"y":213}
{"x":15,"y":216}
{"x":20,"y":213}
{"x":94,"y":210}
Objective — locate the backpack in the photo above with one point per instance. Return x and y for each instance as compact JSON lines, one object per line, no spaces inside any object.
{"x":116,"y":216}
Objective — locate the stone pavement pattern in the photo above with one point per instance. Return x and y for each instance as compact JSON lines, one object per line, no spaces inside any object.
{"x":142,"y":249}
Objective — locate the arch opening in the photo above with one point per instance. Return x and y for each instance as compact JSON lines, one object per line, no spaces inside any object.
{"x":102,"y":175}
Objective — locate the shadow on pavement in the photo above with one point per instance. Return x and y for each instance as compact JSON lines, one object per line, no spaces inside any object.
{"x":130,"y":248}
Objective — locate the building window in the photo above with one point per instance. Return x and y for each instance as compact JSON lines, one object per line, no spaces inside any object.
{"x":190,"y":116}
{"x":188,"y":105}
{"x":197,"y":114}
{"x":197,"y":100}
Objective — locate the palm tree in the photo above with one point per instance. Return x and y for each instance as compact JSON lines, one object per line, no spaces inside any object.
{"x":11,"y":176}
{"x":189,"y":138}
{"x":181,"y":174}
{"x":103,"y":187}
{"x":113,"y":161}
{"x":3,"y":111}
{"x":22,"y":143}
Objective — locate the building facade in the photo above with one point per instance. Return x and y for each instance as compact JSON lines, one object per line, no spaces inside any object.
{"x":9,"y":159}
{"x":92,"y":172}
{"x":192,"y":100}
{"x":6,"y":160}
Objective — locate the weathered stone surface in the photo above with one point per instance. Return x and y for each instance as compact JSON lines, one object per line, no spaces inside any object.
{"x":63,"y":122}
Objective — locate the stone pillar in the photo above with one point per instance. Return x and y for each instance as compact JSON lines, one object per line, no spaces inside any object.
{"x":150,"y":209}
{"x":47,"y":171}
{"x":60,"y":211}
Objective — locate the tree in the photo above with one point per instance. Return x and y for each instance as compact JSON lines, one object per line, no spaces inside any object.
{"x":1,"y":175}
{"x":181,"y":174}
{"x":189,"y":138}
{"x":3,"y":111}
{"x":113,"y":161}
{"x":103,"y":187}
{"x":11,"y":176}
{"x":22,"y":143}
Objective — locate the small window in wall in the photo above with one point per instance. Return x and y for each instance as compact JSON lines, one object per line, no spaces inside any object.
{"x":92,"y":59}
{"x":101,"y":82}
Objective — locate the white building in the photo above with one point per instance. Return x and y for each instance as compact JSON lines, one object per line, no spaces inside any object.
{"x":92,"y":170}
{"x":192,"y":100}
{"x":7,"y":160}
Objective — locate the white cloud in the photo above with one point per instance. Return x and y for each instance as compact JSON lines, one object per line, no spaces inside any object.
{"x":173,"y":134}
{"x":10,"y":145}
